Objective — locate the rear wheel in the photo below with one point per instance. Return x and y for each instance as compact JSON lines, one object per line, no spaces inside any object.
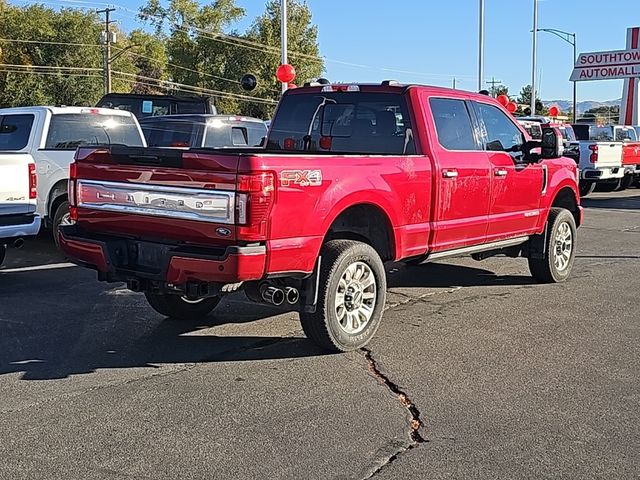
{"x":351,"y":297}
{"x":586,"y":187}
{"x":61,"y":217}
{"x":559,"y":249}
{"x":181,"y":308}
{"x":626,"y":182}
{"x":608,"y":186}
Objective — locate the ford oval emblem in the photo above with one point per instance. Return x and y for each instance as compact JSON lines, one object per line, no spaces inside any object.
{"x":223,"y":232}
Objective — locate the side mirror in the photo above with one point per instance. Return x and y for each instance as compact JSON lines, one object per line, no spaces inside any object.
{"x":552,"y":143}
{"x":495,"y":146}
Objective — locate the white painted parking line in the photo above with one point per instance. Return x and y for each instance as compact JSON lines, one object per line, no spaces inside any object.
{"x":35,"y":268}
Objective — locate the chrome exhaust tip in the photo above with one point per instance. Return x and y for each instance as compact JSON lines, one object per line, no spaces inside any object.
{"x":292,"y":294}
{"x":273,"y":295}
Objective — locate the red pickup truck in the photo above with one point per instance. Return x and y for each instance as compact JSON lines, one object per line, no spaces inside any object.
{"x":350,"y":176}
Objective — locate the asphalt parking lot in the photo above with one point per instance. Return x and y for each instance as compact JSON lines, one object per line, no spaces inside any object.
{"x":476,"y":372}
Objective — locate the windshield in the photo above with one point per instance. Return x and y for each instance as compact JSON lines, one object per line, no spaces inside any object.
{"x":346,"y":122}
{"x":71,"y":130}
{"x":15,"y":131}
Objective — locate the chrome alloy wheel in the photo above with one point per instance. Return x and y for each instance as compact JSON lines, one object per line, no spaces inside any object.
{"x":355,"y":298}
{"x":563,"y":246}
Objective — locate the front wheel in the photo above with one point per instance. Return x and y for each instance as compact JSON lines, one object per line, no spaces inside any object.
{"x":181,"y":308}
{"x":351,"y":297}
{"x":559,"y":248}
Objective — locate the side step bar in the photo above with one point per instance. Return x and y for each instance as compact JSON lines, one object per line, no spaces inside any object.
{"x":458,"y":252}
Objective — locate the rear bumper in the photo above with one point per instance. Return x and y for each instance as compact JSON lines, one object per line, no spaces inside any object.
{"x":604,"y":173}
{"x":12,"y":226}
{"x":120,"y":259}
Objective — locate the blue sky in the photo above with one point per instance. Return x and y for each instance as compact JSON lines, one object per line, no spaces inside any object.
{"x":436,"y":40}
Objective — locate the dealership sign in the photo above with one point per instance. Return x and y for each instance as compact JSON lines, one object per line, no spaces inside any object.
{"x":607,"y":65}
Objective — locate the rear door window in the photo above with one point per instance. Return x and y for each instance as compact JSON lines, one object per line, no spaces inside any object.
{"x":71,"y":130}
{"x":453,"y":124}
{"x":344,"y":122}
{"x":15,"y":131}
{"x":223,"y":134}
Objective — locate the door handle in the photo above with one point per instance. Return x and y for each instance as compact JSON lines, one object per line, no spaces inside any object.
{"x":450,"y":173}
{"x":500,"y":172}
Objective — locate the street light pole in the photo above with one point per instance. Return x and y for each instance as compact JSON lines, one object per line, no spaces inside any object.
{"x":481,"y":46}
{"x":534,"y":57}
{"x":570,"y":38}
{"x":283,"y":37}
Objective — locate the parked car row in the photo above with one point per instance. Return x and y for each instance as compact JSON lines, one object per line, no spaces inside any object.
{"x":37,"y":145}
{"x":608,"y":156}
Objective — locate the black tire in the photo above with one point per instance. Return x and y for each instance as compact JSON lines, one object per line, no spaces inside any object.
{"x":3,"y":252}
{"x":586,"y":187}
{"x":324,"y":327}
{"x":611,"y":186}
{"x":546,"y":269}
{"x":179,"y":308}
{"x":61,"y":212}
{"x":625,"y":183}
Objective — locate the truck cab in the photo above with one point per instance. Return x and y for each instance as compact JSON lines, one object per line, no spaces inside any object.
{"x":351,"y":176}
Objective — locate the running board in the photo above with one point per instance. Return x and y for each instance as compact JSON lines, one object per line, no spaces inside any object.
{"x":512,"y":242}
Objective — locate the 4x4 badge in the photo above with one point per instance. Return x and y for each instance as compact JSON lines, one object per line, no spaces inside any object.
{"x":304,"y":178}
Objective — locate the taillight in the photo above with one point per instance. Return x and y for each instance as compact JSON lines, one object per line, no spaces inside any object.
{"x":33,"y":182}
{"x":593,"y":158}
{"x":71,"y":185}
{"x":256,"y":194}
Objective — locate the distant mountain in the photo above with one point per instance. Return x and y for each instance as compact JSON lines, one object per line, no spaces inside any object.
{"x":566,"y":105}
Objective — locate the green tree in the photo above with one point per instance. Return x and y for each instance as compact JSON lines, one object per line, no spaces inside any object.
{"x":604,"y":114}
{"x":205,"y":52}
{"x":65,"y":38}
{"x":302,"y":42}
{"x":524,"y":101}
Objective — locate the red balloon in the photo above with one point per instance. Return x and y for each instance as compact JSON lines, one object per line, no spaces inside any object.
{"x":292,"y":85}
{"x":512,"y":107}
{"x":554,"y":111}
{"x":285,"y":73}
{"x":503,"y":100}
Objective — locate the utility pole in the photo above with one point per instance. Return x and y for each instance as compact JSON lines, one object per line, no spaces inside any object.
{"x":481,"y":46}
{"x":106,"y":40}
{"x":454,"y":83}
{"x":283,"y":37}
{"x":493,"y":84}
{"x":534,"y":57}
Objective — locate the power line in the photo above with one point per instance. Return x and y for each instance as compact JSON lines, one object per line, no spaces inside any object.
{"x":46,"y":42}
{"x":202,"y":89}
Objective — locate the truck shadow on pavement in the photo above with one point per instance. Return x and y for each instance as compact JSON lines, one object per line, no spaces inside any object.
{"x":59,"y":321}
{"x":616,"y":203}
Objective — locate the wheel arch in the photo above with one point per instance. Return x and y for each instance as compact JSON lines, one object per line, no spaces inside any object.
{"x":566,"y":197}
{"x":350,"y":224}
{"x":57,"y":195}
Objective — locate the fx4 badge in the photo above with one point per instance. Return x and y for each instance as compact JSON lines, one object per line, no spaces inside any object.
{"x":304,"y":178}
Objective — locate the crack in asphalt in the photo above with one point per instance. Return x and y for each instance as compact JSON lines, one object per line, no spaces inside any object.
{"x":415,"y":424}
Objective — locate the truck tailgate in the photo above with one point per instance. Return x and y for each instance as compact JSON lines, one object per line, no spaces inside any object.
{"x":14,"y":184}
{"x":609,"y":154}
{"x":157,"y":194}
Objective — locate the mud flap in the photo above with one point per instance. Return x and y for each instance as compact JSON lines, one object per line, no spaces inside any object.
{"x":311,"y":285}
{"x":536,"y":247}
